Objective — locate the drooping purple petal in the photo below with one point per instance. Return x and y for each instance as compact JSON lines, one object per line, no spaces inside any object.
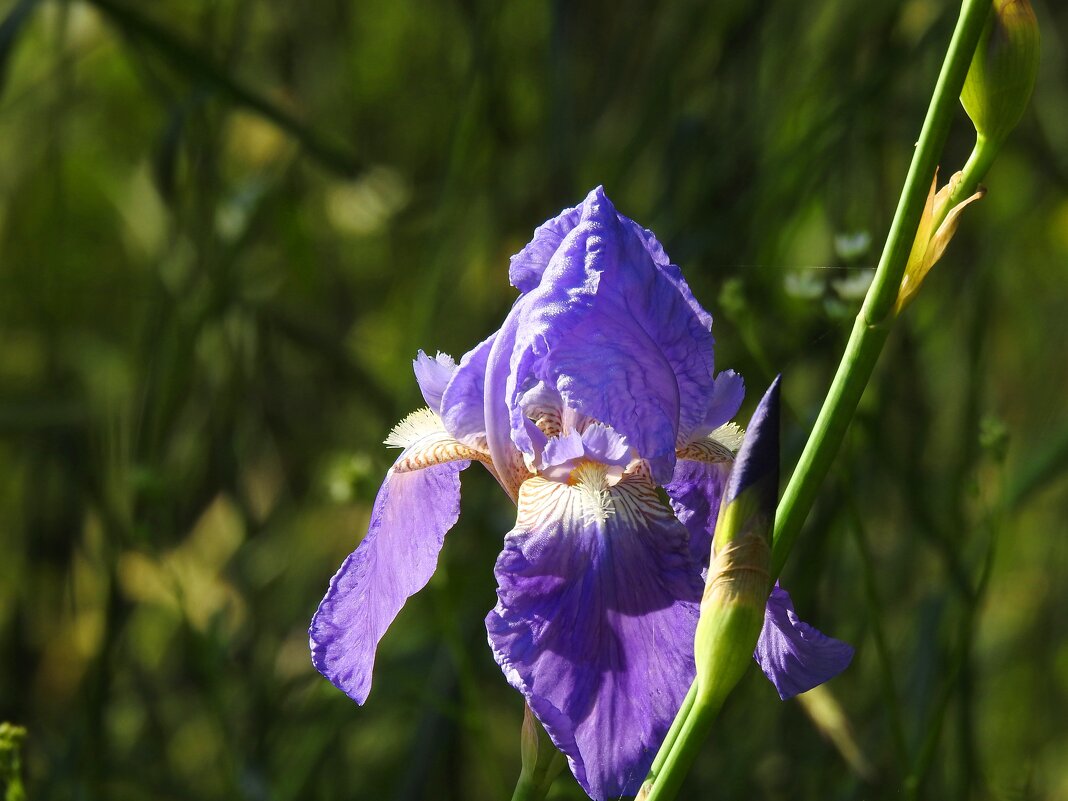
{"x":410,"y":517}
{"x":433,"y":375}
{"x":695,"y":492}
{"x":595,"y":622}
{"x":793,"y":655}
{"x":614,"y":335}
{"x":462,"y":400}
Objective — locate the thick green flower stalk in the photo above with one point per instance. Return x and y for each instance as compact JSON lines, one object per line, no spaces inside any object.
{"x":994,"y":47}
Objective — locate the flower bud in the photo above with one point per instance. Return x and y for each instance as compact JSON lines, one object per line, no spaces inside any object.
{"x":736,"y":592}
{"x":541,"y":761}
{"x":1003,"y":70}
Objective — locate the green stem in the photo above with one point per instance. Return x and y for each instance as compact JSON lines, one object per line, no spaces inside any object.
{"x":978,"y":164}
{"x":673,"y":733}
{"x":535,"y":787}
{"x":684,"y":749}
{"x":527,"y":790}
{"x":876,"y":316}
{"x":865,"y":343}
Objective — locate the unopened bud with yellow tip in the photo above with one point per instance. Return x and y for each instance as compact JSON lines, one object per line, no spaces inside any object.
{"x":1003,"y":70}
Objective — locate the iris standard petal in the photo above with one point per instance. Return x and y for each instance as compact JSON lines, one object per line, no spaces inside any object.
{"x":793,"y":655}
{"x":433,"y":375}
{"x":527,"y":266}
{"x":615,"y":336}
{"x":597,"y":607}
{"x":411,"y":515}
{"x":671,"y":271}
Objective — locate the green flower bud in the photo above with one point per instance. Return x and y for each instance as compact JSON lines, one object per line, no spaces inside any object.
{"x":736,"y":592}
{"x":541,"y":761}
{"x":1003,"y":70}
{"x":732,"y":613}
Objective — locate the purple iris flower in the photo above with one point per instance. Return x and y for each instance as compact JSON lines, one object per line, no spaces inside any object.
{"x":598,"y":389}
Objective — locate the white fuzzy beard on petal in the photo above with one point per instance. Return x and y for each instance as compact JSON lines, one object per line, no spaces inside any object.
{"x":420,"y":423}
{"x":719,"y":446}
{"x":425,"y":441}
{"x":729,"y":435}
{"x":590,"y":481}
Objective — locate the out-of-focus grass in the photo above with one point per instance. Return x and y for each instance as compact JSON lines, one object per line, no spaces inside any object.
{"x":207,"y":316}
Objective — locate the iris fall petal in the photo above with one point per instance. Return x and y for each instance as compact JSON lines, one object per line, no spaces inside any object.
{"x":409,"y":520}
{"x":594,"y":624}
{"x":793,"y":655}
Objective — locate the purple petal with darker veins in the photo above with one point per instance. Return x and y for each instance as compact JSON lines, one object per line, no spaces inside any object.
{"x":793,"y":655}
{"x":433,"y":375}
{"x":528,"y":265}
{"x":411,"y":515}
{"x":695,"y":492}
{"x":671,"y":271}
{"x":615,"y":336}
{"x":594,"y":625}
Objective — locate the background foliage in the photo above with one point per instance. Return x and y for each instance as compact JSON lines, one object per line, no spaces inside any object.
{"x":225,"y":228}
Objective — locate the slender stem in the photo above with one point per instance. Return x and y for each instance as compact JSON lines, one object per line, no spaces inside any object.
{"x":865,"y":343}
{"x":692,"y":735}
{"x":673,"y":732}
{"x":527,"y":790}
{"x":536,"y":787}
{"x":875,"y":318}
{"x":978,"y":163}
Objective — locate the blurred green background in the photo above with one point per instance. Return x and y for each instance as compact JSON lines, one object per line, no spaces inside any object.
{"x":226,"y":227}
